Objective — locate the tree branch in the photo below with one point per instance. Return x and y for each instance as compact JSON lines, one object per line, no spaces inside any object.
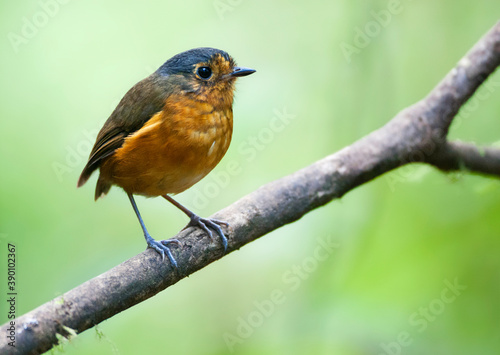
{"x":467,"y":156}
{"x":417,"y":133}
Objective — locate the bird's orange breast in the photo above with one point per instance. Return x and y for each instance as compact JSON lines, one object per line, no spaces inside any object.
{"x":175,"y":149}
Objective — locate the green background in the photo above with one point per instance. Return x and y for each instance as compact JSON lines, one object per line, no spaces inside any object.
{"x":401,"y":239}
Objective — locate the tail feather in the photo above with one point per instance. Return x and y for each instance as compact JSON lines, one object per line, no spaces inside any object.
{"x":87,"y":171}
{"x":102,"y":188}
{"x":83,"y":178}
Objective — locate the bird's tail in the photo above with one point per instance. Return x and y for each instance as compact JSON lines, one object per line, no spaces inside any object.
{"x":102,"y":188}
{"x":83,"y":178}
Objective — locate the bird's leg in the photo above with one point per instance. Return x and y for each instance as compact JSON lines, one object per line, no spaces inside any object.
{"x":160,"y":246}
{"x":203,"y":223}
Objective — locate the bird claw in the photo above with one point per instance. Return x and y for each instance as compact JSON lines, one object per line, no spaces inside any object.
{"x":205,"y":223}
{"x":162,"y":248}
{"x":165,"y":242}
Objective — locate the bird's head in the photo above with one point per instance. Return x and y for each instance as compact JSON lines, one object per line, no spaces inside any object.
{"x":207,"y":74}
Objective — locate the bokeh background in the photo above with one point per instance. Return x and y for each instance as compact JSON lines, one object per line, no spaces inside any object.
{"x":400,"y":241}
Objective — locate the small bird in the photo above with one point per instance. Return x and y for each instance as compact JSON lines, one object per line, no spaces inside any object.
{"x":168,"y":132}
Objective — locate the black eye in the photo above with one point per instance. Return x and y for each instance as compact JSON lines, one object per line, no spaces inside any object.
{"x":204,"y":72}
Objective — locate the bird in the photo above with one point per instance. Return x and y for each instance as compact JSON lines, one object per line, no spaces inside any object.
{"x":167,"y":133}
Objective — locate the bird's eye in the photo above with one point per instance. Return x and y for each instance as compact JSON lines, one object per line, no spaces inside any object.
{"x":204,"y":72}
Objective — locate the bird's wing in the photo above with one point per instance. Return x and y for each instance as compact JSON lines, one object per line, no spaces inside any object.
{"x":138,"y":105}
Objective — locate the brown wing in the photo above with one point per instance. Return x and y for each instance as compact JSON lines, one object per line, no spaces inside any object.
{"x":139,"y":104}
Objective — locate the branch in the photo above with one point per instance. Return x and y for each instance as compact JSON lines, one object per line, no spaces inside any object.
{"x":417,"y":133}
{"x":466,"y":156}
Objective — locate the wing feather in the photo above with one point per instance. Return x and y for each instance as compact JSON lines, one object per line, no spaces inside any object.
{"x":139,"y":104}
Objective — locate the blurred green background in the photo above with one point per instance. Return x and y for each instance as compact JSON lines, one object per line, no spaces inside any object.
{"x":402,"y":239}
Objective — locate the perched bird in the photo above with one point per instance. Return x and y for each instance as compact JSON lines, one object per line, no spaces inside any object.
{"x":168,"y":132}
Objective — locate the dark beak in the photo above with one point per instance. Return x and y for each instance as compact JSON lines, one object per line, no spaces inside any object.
{"x":241,"y":71}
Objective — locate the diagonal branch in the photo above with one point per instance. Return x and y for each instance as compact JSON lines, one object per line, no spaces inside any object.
{"x":417,"y":133}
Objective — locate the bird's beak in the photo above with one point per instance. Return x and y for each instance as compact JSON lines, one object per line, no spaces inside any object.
{"x":241,"y":71}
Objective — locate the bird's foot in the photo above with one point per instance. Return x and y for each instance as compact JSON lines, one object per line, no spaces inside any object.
{"x":162,"y":248}
{"x":205,"y":223}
